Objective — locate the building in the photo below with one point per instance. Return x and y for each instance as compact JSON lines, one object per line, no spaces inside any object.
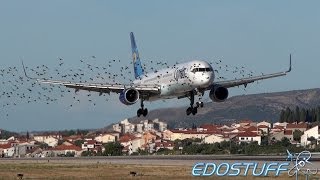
{"x":106,"y":138}
{"x":159,"y":125}
{"x":248,"y":137}
{"x":297,"y":126}
{"x":264,"y":123}
{"x":63,"y":150}
{"x":308,"y":134}
{"x":91,"y":145}
{"x":214,"y":138}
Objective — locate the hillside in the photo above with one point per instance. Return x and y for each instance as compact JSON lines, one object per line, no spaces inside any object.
{"x":257,"y":107}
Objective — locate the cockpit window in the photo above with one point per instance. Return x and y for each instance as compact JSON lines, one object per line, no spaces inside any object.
{"x":201,"y":70}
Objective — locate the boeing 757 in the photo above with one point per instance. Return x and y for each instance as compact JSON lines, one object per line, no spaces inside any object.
{"x":185,"y":80}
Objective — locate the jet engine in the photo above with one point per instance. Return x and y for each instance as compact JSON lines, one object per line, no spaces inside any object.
{"x":219,"y":94}
{"x":129,"y":96}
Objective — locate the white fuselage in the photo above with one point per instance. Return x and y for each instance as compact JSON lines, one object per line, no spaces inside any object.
{"x":180,"y":79}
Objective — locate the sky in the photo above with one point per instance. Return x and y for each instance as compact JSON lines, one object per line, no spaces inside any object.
{"x":255,"y":34}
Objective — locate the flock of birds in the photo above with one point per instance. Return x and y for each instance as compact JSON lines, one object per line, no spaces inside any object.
{"x":17,"y":89}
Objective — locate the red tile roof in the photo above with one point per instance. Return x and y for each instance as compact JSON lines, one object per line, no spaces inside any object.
{"x":247,"y":134}
{"x":251,"y":128}
{"x":297,"y":126}
{"x":287,"y":132}
{"x":263,"y":126}
{"x":5,"y":146}
{"x":65,"y":147}
{"x":127,"y":138}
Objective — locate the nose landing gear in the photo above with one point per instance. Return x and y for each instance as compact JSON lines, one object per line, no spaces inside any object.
{"x":193,"y":110}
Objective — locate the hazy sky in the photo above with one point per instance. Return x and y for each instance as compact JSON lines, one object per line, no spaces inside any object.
{"x":255,"y":34}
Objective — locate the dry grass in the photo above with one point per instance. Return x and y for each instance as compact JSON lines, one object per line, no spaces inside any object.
{"x":105,"y":171}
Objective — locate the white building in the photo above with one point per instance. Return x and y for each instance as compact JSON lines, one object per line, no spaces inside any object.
{"x":51,"y":141}
{"x":214,"y":138}
{"x":313,"y":132}
{"x":105,"y":138}
{"x":249,"y":137}
{"x":264,"y":123}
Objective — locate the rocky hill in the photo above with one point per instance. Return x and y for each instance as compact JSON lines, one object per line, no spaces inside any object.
{"x":256,"y":107}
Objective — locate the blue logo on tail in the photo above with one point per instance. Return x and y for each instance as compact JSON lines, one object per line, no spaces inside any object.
{"x":138,"y":70}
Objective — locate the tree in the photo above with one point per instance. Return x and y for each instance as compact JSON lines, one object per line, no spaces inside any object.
{"x":285,"y":142}
{"x":312,"y":140}
{"x":297,"y":114}
{"x":297,"y":135}
{"x":113,"y":149}
{"x":303,"y":115}
{"x":28,"y":135}
{"x":78,"y":143}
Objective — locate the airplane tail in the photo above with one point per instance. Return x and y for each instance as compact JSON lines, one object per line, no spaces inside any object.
{"x":138,"y":70}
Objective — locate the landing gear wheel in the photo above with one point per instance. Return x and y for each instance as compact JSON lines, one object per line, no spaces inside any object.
{"x":139,"y":112}
{"x":199,"y":104}
{"x":145,"y":112}
{"x":194,"y":111}
{"x":189,"y":111}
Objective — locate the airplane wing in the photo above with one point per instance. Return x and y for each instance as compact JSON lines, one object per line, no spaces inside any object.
{"x":100,"y":87}
{"x":246,"y":81}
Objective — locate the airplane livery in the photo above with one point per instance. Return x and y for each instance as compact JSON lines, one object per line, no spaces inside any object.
{"x":185,"y":80}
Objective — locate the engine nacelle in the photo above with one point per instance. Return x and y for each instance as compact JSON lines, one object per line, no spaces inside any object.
{"x":129,"y":96}
{"x":219,"y":94}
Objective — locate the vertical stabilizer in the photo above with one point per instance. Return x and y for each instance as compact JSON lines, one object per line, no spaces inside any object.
{"x":138,"y":70}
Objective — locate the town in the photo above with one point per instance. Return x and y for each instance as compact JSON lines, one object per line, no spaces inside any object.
{"x":153,"y":136}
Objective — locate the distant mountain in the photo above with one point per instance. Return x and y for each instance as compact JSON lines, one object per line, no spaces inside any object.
{"x":257,"y":107}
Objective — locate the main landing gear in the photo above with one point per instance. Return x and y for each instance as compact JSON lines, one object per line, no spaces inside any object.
{"x":142,"y":111}
{"x":193,"y":110}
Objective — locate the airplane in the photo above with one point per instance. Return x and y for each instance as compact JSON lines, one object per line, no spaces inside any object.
{"x":185,"y":80}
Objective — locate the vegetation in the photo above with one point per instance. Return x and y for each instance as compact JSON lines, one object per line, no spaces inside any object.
{"x":73,"y":132}
{"x":113,"y":149}
{"x":6,"y":134}
{"x":300,"y":115}
{"x":190,"y":146}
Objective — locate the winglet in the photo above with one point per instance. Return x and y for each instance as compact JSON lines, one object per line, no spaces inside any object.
{"x":289,"y":70}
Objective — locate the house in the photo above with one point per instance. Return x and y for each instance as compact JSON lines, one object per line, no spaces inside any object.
{"x":166,"y":135}
{"x":42,"y":138}
{"x":51,"y":141}
{"x":288,"y":134}
{"x":73,"y":138}
{"x":248,"y":137}
{"x":214,"y":138}
{"x":297,"y":126}
{"x":277,"y":136}
{"x":264,"y":123}
{"x":308,"y":134}
{"x":164,"y":145}
{"x":4,"y":150}
{"x":91,"y":145}
{"x":131,"y":143}
{"x":159,"y":125}
{"x":247,"y":122}
{"x":63,"y":150}
{"x":105,"y":138}
{"x":263,"y":129}
{"x":149,"y":137}
{"x":284,"y":124}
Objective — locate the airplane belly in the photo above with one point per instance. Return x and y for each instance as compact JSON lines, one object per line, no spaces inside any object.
{"x":174,"y":90}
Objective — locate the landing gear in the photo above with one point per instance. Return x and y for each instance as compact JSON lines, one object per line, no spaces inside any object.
{"x":194,"y":110}
{"x":142,"y":111}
